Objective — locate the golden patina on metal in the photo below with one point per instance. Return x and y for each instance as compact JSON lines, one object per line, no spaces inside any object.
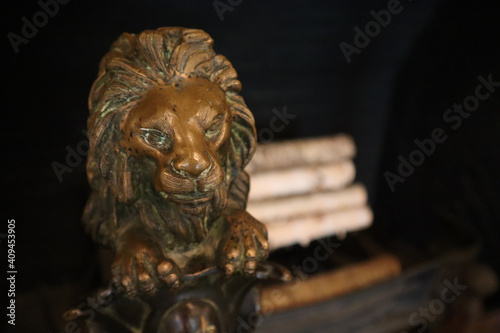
{"x":169,"y":139}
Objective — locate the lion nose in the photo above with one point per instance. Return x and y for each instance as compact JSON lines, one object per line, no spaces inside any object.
{"x":193,"y":164}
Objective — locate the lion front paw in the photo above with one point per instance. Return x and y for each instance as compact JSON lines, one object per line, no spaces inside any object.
{"x":141,"y":268}
{"x":245,"y":246}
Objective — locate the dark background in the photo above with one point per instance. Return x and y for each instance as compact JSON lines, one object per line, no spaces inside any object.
{"x":287,"y":54}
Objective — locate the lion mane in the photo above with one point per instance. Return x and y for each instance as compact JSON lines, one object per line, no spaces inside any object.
{"x":121,"y":185}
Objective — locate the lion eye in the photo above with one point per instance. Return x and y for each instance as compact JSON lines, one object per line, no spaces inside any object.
{"x":215,"y":128}
{"x":155,"y":138}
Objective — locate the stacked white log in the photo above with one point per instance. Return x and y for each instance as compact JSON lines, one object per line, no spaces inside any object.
{"x":302,"y":190}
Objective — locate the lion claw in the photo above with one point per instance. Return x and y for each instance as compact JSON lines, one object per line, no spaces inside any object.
{"x":138,"y":271}
{"x":169,"y":273}
{"x":245,"y":246}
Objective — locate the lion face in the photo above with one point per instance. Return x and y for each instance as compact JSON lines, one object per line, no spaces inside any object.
{"x":169,"y":137}
{"x":183,"y":128}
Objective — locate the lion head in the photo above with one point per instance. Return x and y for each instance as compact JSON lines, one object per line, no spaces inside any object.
{"x":169,"y":136}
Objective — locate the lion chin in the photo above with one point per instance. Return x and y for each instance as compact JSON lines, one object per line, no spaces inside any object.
{"x":194,"y":204}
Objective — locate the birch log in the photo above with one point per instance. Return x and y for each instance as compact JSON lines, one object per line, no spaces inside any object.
{"x":328,"y":285}
{"x":307,"y":179}
{"x":312,"y":151}
{"x":303,"y":230}
{"x":268,"y":211}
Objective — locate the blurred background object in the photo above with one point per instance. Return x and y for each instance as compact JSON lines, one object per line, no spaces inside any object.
{"x":302,"y":190}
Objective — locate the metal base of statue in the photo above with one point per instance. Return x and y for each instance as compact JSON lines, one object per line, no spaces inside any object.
{"x":208,"y":302}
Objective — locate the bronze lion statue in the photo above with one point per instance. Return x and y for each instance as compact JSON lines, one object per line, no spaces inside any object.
{"x":169,"y":139}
